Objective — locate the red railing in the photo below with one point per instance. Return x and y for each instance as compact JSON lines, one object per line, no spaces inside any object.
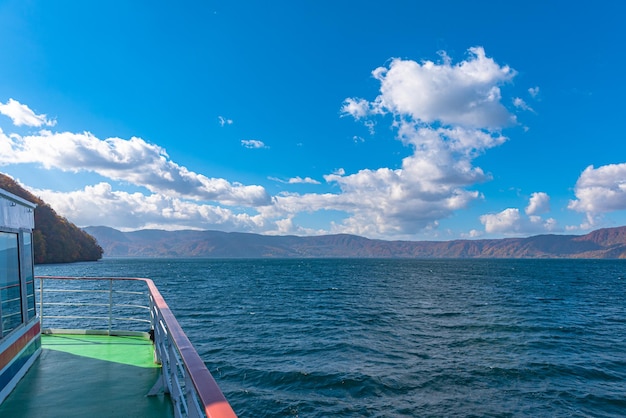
{"x":184,"y":376}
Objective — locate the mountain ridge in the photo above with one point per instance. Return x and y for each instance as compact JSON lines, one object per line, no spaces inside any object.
{"x":601,"y":243}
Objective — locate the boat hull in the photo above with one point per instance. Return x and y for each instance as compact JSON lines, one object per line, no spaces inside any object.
{"x":17,"y":353}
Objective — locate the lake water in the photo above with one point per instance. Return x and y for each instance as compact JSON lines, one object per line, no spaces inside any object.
{"x":400,"y":338}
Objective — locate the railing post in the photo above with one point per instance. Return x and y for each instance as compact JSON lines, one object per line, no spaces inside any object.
{"x":193,"y":408}
{"x":110,"y":303}
{"x":157,"y":332}
{"x":41,"y":302}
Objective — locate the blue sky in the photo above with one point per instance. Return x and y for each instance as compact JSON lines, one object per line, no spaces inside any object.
{"x":397,"y":120}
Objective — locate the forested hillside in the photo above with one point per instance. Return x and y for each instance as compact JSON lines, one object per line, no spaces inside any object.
{"x":55,"y":239}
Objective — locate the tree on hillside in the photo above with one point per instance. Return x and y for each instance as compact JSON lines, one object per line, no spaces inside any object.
{"x":55,"y":239}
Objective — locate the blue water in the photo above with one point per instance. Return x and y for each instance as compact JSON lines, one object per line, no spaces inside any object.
{"x":400,"y":338}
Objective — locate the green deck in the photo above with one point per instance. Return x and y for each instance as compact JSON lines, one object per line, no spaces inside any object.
{"x":89,"y":375}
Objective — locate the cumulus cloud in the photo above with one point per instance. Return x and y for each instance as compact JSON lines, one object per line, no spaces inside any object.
{"x":128,"y":211}
{"x":534,"y":91}
{"x":448,"y":114}
{"x":429,"y":186}
{"x":357,"y":108}
{"x":600,"y":190}
{"x":389,"y":202}
{"x":510,"y":221}
{"x":539,"y":203}
{"x":135,"y":161}
{"x":447,"y":144}
{"x":466,"y":94}
{"x":507,"y":221}
{"x":298,"y":180}
{"x":253,"y":143}
{"x":22,"y":115}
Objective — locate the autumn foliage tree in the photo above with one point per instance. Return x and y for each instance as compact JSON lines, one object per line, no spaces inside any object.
{"x":55,"y":239}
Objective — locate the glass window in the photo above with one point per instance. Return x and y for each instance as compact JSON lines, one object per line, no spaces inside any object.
{"x":29,"y":276}
{"x":10,"y":292}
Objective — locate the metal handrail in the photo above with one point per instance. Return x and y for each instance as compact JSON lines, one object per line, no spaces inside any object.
{"x":184,"y":375}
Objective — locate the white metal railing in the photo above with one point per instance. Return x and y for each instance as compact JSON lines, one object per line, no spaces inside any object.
{"x":94,"y":304}
{"x":104,"y":304}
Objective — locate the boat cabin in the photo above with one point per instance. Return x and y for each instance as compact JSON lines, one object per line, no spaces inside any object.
{"x":20,"y":340}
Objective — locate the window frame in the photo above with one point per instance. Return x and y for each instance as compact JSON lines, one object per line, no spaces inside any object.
{"x":25,"y":269}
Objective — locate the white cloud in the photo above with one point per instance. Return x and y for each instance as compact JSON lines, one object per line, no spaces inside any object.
{"x":446,"y":144}
{"x":539,"y":203}
{"x":22,"y":115}
{"x":600,"y":190}
{"x":253,"y":143}
{"x":224,"y":121}
{"x":134,"y":161}
{"x":533,"y":91}
{"x":370,"y":125}
{"x":511,"y":222}
{"x":402,"y":201}
{"x":357,"y":108}
{"x":307,"y":180}
{"x":296,"y":180}
{"x":521,"y":104}
{"x":448,"y":114}
{"x":507,"y":221}
{"x":466,"y":94}
{"x":384,"y":202}
{"x":128,"y":211}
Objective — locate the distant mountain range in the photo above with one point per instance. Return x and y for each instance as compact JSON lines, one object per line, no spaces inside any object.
{"x":603,"y":243}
